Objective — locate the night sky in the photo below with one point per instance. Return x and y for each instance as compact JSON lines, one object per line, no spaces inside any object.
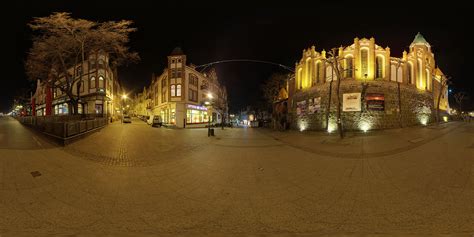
{"x":209,"y":32}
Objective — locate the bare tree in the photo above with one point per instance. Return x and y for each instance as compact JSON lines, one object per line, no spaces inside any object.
{"x":459,"y":98}
{"x":271,"y":87}
{"x":336,"y":66}
{"x":63,"y":43}
{"x":443,"y":83}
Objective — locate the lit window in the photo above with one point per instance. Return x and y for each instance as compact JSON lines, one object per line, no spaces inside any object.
{"x":173,"y":90}
{"x":178,"y":90}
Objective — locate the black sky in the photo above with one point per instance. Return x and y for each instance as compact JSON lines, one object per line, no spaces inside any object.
{"x":262,"y":31}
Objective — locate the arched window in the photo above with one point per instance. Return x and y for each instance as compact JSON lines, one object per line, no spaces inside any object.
{"x":173,"y":90}
{"x":348,"y":66}
{"x":410,"y":73}
{"x":309,"y":76}
{"x":318,"y":71}
{"x":364,"y":54}
{"x":101,"y":82}
{"x":300,"y":78}
{"x":92,"y":84}
{"x":379,"y":67}
{"x":178,"y":90}
{"x":428,"y":79}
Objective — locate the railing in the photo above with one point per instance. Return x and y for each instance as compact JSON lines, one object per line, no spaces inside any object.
{"x":64,"y":126}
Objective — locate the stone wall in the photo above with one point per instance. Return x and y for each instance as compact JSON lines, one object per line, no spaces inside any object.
{"x":417,"y":106}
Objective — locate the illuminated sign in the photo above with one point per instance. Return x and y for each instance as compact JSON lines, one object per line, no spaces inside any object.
{"x":375,"y":101}
{"x":197,"y":107}
{"x":351,"y":102}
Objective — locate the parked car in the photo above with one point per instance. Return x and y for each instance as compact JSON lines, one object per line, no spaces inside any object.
{"x":155,"y":120}
{"x":127,"y":119}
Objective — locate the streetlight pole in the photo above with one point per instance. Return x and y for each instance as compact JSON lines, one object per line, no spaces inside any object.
{"x":208,"y":103}
{"x":124,"y":97}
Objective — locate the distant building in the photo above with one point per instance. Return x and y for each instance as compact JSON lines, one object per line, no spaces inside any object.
{"x":180,"y":93}
{"x":377,"y":89}
{"x":100,"y":93}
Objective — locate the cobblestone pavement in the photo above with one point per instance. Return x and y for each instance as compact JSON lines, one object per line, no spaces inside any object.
{"x":131,"y":179}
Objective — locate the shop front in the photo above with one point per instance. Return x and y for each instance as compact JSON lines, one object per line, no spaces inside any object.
{"x":196,"y":116}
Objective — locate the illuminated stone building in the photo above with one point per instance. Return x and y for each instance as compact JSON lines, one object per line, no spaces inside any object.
{"x":100,"y":91}
{"x":179,"y":94}
{"x":384,"y":91}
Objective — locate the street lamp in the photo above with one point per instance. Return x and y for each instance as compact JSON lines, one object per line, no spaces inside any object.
{"x":124,"y":97}
{"x":208,"y":103}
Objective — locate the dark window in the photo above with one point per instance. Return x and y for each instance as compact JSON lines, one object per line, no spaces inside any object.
{"x":349,"y":67}
{"x":379,"y":67}
{"x":364,"y":53}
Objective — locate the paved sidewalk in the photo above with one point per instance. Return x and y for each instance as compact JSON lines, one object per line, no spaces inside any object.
{"x":363,"y":144}
{"x":242,"y":182}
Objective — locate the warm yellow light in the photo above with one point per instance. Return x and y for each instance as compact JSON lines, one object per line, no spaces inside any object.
{"x":331,"y":126}
{"x":209,"y":95}
{"x":207,"y":103}
{"x":364,"y":126}
{"x":124,"y":96}
{"x":424,"y":120}
{"x":445,"y":118}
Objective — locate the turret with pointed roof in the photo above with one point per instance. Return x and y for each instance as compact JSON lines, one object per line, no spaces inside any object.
{"x":419,"y":39}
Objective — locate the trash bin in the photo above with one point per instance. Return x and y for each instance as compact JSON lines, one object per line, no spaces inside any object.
{"x":212,"y":131}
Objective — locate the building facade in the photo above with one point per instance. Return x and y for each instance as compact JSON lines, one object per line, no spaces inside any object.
{"x":183,"y":96}
{"x":377,"y":90}
{"x":100,"y":91}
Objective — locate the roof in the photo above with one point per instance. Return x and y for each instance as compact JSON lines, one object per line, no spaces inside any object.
{"x":419,"y":39}
{"x":177,"y":51}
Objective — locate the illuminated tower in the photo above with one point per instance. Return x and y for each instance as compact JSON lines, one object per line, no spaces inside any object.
{"x":422,"y":62}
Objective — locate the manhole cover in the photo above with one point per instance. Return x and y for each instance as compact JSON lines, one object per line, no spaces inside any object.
{"x":35,"y":174}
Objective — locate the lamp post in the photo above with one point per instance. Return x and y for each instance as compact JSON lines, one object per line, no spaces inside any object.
{"x":208,"y":103}
{"x":124,"y":97}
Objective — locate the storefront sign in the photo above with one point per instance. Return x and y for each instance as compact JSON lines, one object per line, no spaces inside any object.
{"x":351,"y":102}
{"x":197,"y":107}
{"x":314,"y":105}
{"x":301,"y":108}
{"x":375,"y":101}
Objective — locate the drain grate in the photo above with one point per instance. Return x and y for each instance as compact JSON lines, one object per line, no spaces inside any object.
{"x":35,"y":174}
